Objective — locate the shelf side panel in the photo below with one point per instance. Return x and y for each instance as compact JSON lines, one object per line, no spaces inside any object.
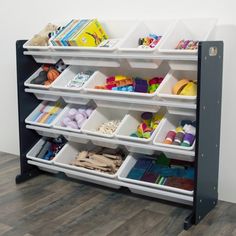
{"x":26,"y":103}
{"x":208,"y":127}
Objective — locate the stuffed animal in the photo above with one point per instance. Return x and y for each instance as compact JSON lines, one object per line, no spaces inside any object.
{"x":41,"y":39}
{"x":49,"y":73}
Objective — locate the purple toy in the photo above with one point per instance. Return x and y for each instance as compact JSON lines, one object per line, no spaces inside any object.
{"x":73,"y":125}
{"x":75,"y":118}
{"x":188,"y":140}
{"x":140,"y":85}
{"x":65,"y":121}
{"x":71,"y":113}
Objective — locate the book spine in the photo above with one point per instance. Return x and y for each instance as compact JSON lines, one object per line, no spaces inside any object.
{"x":58,"y":39}
{"x":75,"y":41}
{"x":73,"y":31}
{"x":53,"y":40}
{"x":78,"y":32}
{"x":71,"y":41}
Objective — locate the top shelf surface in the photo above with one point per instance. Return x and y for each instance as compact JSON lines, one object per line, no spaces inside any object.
{"x":112,"y":55}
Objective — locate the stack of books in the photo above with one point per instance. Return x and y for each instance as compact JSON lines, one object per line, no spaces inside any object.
{"x":83,"y":33}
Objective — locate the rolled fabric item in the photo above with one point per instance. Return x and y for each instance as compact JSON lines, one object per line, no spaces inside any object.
{"x":185,"y":122}
{"x":72,"y":113}
{"x":170,"y":137}
{"x":80,"y":123}
{"x":72,"y":124}
{"x":65,"y":121}
{"x":84,"y":114}
{"x":89,"y":111}
{"x":79,"y":117}
{"x":177,"y":88}
{"x":179,"y":137}
{"x":81,"y":110}
{"x":188,"y":140}
{"x":190,"y":129}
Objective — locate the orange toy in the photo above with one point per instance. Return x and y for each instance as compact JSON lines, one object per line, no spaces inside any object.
{"x":52,"y":74}
{"x":120,"y":83}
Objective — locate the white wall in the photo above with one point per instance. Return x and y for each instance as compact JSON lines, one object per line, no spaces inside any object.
{"x":21,"y":19}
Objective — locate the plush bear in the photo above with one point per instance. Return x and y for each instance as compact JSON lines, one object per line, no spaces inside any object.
{"x":41,"y":39}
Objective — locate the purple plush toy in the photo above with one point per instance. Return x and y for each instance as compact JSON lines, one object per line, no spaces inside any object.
{"x":75,"y":118}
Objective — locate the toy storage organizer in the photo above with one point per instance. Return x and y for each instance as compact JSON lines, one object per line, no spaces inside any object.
{"x":205,"y":66}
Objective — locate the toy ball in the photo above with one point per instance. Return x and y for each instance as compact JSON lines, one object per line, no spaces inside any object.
{"x":60,"y":66}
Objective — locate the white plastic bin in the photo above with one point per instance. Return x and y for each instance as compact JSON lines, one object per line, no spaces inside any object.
{"x":100,"y":116}
{"x":66,"y":76}
{"x":129,"y":125}
{"x":68,"y":154}
{"x":38,"y":86}
{"x":106,"y":144}
{"x":129,"y":164}
{"x":58,"y":124}
{"x":30,"y":118}
{"x":145,"y":151}
{"x":188,"y":29}
{"x":165,"y":89}
{"x":41,"y":48}
{"x":100,"y":79}
{"x":143,"y":29}
{"x":35,"y":150}
{"x":171,"y":122}
{"x":115,"y":29}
